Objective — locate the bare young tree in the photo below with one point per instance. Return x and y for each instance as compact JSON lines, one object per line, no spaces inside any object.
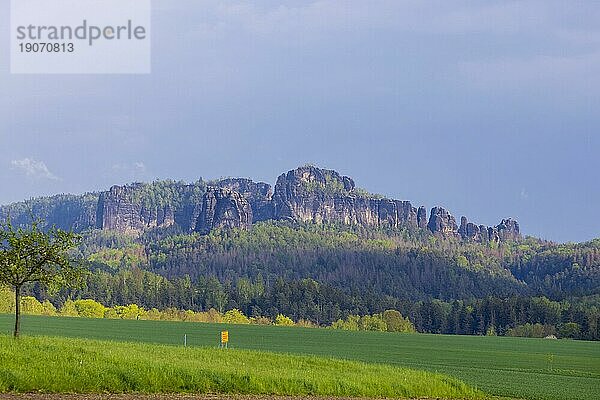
{"x":32,"y":255}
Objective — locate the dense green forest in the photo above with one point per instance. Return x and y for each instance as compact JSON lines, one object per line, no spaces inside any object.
{"x":324,"y":273}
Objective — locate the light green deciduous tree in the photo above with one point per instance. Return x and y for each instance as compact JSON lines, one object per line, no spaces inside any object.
{"x":28,"y":254}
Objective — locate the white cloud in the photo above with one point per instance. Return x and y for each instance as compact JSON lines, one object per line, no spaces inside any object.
{"x":33,"y":168}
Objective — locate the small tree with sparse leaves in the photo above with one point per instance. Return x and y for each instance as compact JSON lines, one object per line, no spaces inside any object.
{"x":28,"y":254}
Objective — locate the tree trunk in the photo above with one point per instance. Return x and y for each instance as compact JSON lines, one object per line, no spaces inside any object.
{"x":17,"y":311}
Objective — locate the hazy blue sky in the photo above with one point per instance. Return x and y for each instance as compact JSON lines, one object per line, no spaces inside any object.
{"x":490,"y":109}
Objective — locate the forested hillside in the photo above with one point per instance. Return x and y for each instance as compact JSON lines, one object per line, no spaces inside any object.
{"x":323,"y":273}
{"x":320,"y":249}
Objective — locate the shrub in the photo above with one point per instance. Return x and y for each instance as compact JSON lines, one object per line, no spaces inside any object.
{"x":89,"y":308}
{"x":131,"y":311}
{"x":260,"y":321}
{"x":48,"y":308}
{"x":7,"y":301}
{"x":351,"y":323}
{"x":373,"y":323}
{"x":532,"y":330}
{"x":282,"y":320}
{"x":570,"y":330}
{"x":304,"y":323}
{"x":235,"y":316}
{"x":30,"y":305}
{"x":68,"y":309}
{"x":396,"y":322}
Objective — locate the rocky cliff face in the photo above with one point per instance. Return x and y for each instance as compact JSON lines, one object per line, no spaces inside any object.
{"x":258,"y":194}
{"x":224,"y":208}
{"x":441,"y":221}
{"x":118,"y":210}
{"x":508,"y":229}
{"x":305,"y":194}
{"x":469,"y":230}
{"x":310,"y":194}
{"x":422,"y":217}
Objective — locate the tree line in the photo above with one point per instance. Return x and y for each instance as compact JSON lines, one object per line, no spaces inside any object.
{"x":388,"y":321}
{"x":323,"y":305}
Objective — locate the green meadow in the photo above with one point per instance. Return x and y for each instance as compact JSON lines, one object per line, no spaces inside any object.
{"x":59,"y":365}
{"x":500,"y":366}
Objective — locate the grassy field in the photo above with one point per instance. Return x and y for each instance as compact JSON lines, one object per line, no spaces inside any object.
{"x":514,"y":367}
{"x":59,"y":365}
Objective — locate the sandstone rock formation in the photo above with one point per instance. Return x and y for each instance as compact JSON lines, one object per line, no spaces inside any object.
{"x":471,"y":231}
{"x":118,"y":210}
{"x":258,"y":195}
{"x":307,"y":195}
{"x":508,"y":229}
{"x":223,"y":208}
{"x":422,"y":217}
{"x":311,"y":194}
{"x":441,"y":221}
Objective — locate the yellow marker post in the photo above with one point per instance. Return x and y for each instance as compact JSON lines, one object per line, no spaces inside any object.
{"x":224,"y":338}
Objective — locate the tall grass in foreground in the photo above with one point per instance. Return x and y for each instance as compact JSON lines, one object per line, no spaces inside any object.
{"x":56,"y":365}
